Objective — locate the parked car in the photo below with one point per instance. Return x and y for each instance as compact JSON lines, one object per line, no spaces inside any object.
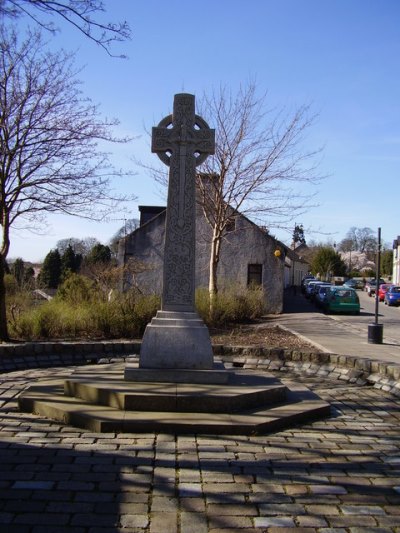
{"x":370,"y":286}
{"x":383,"y":290}
{"x":305,"y":280}
{"x":342,"y":299}
{"x":360,"y":283}
{"x":355,"y":283}
{"x":310,"y":287}
{"x":314,"y":289}
{"x":392,"y":296}
{"x":320,"y":294}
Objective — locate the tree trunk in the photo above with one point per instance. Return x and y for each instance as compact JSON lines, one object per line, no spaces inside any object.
{"x":213,"y":283}
{"x":3,"y":314}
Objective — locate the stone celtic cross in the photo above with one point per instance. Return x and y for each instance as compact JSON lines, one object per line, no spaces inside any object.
{"x":182,"y":141}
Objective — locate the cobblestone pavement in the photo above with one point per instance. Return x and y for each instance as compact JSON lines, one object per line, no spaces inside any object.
{"x":340,"y":474}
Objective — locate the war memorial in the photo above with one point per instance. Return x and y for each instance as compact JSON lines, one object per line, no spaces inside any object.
{"x":174,"y":438}
{"x":176,"y":385}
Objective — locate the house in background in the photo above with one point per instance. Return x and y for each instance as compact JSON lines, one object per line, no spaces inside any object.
{"x":249,"y":256}
{"x":396,"y":261}
{"x":296,"y":266}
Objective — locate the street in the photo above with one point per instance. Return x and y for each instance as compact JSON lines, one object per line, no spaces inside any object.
{"x":343,"y":334}
{"x":388,"y":316}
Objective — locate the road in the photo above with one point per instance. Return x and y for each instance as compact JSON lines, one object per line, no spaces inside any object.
{"x":388,"y":316}
{"x":343,"y":334}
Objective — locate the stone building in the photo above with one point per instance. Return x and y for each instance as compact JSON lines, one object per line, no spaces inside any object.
{"x":249,"y":255}
{"x":296,"y":264}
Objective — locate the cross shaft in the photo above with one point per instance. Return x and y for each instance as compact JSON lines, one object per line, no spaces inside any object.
{"x":182,"y":141}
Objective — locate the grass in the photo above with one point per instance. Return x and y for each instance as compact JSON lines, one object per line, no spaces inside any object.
{"x":82,"y":310}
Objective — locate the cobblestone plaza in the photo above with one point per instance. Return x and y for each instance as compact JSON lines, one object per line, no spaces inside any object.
{"x":341,"y":474}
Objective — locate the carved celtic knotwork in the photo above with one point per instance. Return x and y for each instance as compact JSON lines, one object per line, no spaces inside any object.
{"x":182,"y":141}
{"x":200,"y":141}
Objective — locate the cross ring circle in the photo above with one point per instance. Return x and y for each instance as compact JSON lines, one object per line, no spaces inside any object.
{"x":200,"y":123}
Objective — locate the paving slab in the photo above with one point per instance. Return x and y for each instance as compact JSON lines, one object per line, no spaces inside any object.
{"x":341,"y":473}
{"x":329,"y":334}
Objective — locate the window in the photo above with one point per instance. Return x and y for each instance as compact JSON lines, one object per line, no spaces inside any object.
{"x":230,"y":225}
{"x":254,"y":275}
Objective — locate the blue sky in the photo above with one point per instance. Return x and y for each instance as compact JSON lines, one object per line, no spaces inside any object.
{"x":340,"y":56}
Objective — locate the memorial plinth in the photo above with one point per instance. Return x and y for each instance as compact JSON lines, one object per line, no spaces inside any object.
{"x":177,"y":338}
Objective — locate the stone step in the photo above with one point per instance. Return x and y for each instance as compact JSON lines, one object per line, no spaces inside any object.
{"x":49,"y":400}
{"x":244,"y":390}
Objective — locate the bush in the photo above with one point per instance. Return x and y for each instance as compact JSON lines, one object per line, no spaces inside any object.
{"x":54,"y":319}
{"x":11,"y":285}
{"x":77,"y":289}
{"x":126,"y":315}
{"x":18,"y":301}
{"x":82,"y":310}
{"x":235,"y":304}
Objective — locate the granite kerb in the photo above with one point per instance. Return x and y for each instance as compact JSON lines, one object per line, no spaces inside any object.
{"x":359,"y":370}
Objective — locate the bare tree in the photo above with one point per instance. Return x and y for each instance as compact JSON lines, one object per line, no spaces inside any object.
{"x":84,"y":15}
{"x":79,"y":246}
{"x":360,"y":240}
{"x":130,"y":225}
{"x":258,"y":166}
{"x":49,"y":155}
{"x":257,"y":162}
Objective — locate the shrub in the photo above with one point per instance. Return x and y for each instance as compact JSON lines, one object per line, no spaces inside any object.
{"x":81,"y":310}
{"x":77,"y":289}
{"x":11,"y":285}
{"x":78,"y":316}
{"x":235,"y":304}
{"x":18,"y":301}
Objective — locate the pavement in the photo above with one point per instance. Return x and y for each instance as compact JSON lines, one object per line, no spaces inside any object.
{"x":332,"y":335}
{"x":337,"y":475}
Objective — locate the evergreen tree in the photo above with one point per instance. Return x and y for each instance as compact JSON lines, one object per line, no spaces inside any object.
{"x":100,"y":253}
{"x":387,"y":262}
{"x":327,"y":262}
{"x":50,"y":275}
{"x":23,"y":275}
{"x":18,"y":271}
{"x":70,"y":262}
{"x":298,"y":234}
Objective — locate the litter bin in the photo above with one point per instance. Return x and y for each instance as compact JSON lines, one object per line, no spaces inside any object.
{"x":375,"y":333}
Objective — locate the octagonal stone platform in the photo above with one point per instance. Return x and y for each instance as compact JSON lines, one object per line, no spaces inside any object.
{"x":101,"y":400}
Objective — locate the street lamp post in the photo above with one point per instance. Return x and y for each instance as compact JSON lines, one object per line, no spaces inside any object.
{"x":375,"y":330}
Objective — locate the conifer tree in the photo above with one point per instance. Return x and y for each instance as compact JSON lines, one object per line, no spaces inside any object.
{"x":50,"y":275}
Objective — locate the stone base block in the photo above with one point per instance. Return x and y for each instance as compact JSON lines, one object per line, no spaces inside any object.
{"x":217,"y":375}
{"x":99,"y":399}
{"x":176,"y":340}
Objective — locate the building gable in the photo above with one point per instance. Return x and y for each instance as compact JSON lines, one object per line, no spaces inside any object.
{"x":247,"y":249}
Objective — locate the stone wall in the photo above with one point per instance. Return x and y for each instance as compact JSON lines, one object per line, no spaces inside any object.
{"x":49,"y":354}
{"x":358,"y":370}
{"x":247,"y":244}
{"x":145,"y":246}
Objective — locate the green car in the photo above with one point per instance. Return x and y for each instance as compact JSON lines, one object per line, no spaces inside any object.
{"x":342,"y":300}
